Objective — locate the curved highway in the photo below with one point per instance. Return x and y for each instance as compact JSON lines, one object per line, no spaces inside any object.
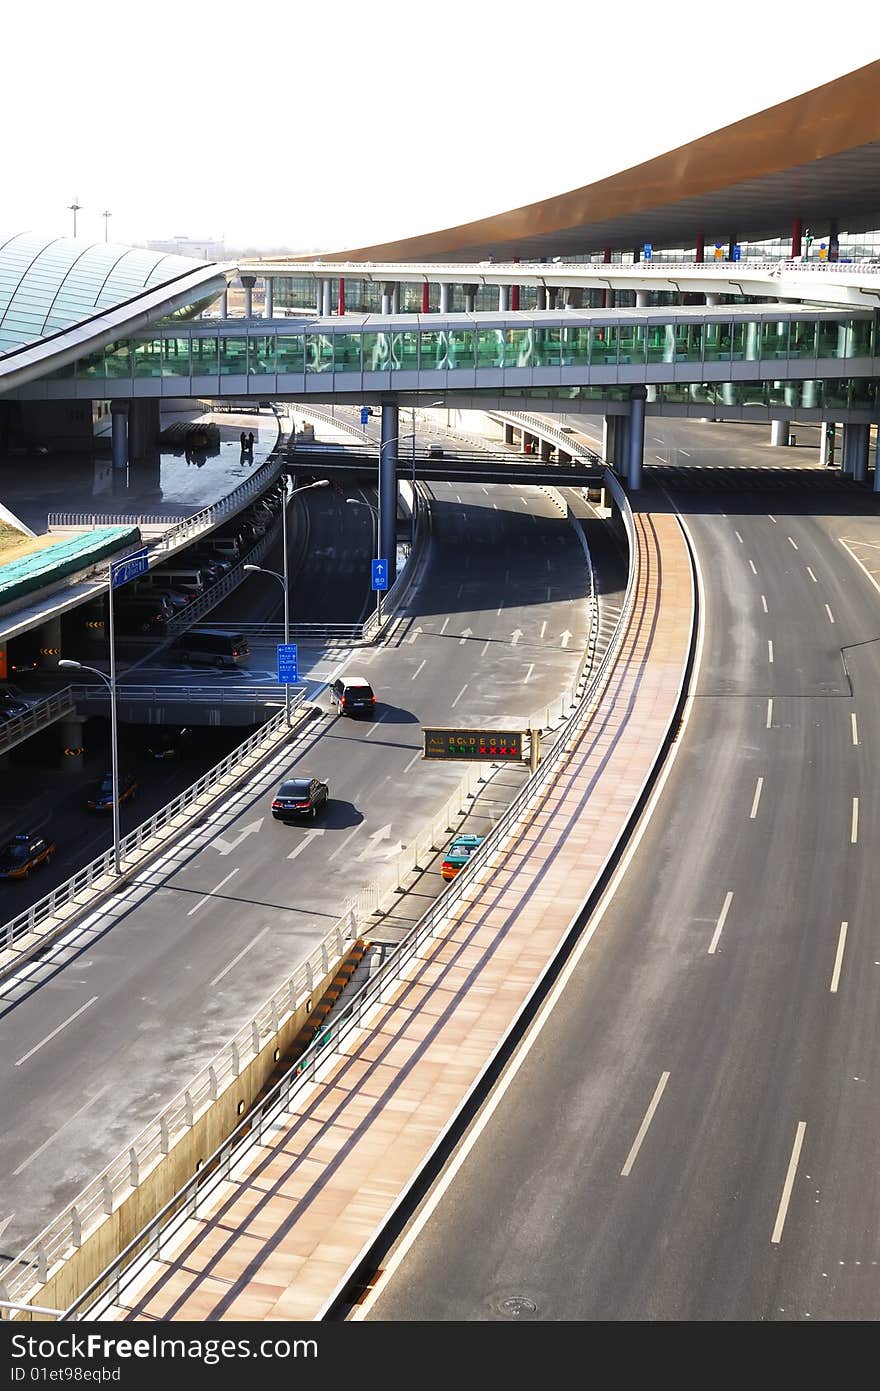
{"x":691,"y":1131}
{"x":98,"y":1035}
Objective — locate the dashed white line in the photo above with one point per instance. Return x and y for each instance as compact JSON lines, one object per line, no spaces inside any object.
{"x":764,"y":602}
{"x":543,"y":629}
{"x":457,"y":498}
{"x":685,"y":453}
{"x":445,"y":624}
{"x":244,"y":951}
{"x":769,"y":713}
{"x":722,"y":918}
{"x":789,"y":1182}
{"x":792,"y":542}
{"x":53,"y":1138}
{"x":415,"y":758}
{"x":752,"y":563}
{"x":215,"y":889}
{"x":485,"y":647}
{"x":838,"y":960}
{"x":643,"y":1128}
{"x":49,"y":1037}
{"x":459,"y":696}
{"x":375,"y":725}
{"x":770,"y":649}
{"x":418,"y":668}
{"x":738,"y":537}
{"x":523,"y":501}
{"x":854,"y":823}
{"x":811,"y":575}
{"x":528,"y":673}
{"x":855,"y":728}
{"x":772,"y":519}
{"x":756,"y":800}
{"x":829,"y":613}
{"x":342,"y":844}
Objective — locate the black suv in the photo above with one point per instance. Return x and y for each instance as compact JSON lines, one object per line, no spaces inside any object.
{"x":300,"y":797}
{"x":353,"y":695}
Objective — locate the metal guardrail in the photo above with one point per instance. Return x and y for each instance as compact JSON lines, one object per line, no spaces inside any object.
{"x":94,"y":519}
{"x":538,"y":426}
{"x":83,"y":881}
{"x":216,"y":1169}
{"x":225,"y":585}
{"x":309,"y":412}
{"x":218,"y":694}
{"x":46,"y":712}
{"x":306,"y":633}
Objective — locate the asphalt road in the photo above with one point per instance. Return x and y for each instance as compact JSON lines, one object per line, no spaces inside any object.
{"x":111,"y":1025}
{"x":693,"y":1132}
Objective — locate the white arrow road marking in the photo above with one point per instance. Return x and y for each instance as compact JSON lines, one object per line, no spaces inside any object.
{"x":466,"y":633}
{"x":414,"y":635}
{"x":384,"y":833}
{"x":515,"y":636}
{"x":566,"y":638}
{"x":226,"y":847}
{"x":309,"y":836}
{"x":6,"y":1220}
{"x":216,"y":887}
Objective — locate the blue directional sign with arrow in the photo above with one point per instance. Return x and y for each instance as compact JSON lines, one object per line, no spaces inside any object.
{"x":288,"y":663}
{"x":380,"y":574}
{"x":121,"y":571}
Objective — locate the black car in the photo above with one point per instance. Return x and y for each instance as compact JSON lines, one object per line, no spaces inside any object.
{"x":23,"y":853}
{"x":101,"y":796}
{"x":353,"y":695}
{"x":169,"y":741}
{"x":298,"y":798}
{"x":9,"y":709}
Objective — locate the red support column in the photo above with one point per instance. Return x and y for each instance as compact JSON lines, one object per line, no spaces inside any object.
{"x":514,"y":290}
{"x":340,"y":306}
{"x":701,"y":248}
{"x":797,"y":230}
{"x":426,"y":298}
{"x":606,"y":259}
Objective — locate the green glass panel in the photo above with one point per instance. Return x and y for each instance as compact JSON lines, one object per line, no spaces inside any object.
{"x":290,"y":352}
{"x":655,"y":339}
{"x":490,"y":347}
{"x":519,"y":350}
{"x":738,"y":342}
{"x":864,"y":393}
{"x":575,"y":346}
{"x":433,"y":350}
{"x":461,"y":348}
{"x":261,"y":354}
{"x":832,"y":339}
{"x":774,"y":341}
{"x":836,"y":392}
{"x":92,"y":365}
{"x":148,"y":357}
{"x":631,"y":344}
{"x":603,"y":345}
{"x":717,"y":340}
{"x":118,"y":360}
{"x":753,"y":393}
{"x":319,"y":352}
{"x":776,"y":393}
{"x":377,"y":352}
{"x":548,"y":347}
{"x":405,"y":350}
{"x":802,"y":339}
{"x":205,"y":357}
{"x":233,"y":357}
{"x":175,"y":357}
{"x":347,"y":352}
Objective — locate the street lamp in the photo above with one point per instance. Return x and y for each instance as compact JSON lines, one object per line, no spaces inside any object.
{"x":356,"y":502}
{"x":110,"y":683}
{"x":283,"y":579}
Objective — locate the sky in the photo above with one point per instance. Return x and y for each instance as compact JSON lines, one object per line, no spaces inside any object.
{"x":319,"y":127}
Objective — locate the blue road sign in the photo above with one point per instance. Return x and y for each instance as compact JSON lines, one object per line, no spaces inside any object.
{"x":737,"y":253}
{"x":365,"y":415}
{"x":121,"y":571}
{"x":288,"y":663}
{"x":380,"y":574}
{"x":647,"y":251}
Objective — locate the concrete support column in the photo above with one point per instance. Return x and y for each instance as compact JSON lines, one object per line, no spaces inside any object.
{"x":70,"y":731}
{"x":326,"y":298}
{"x":119,"y":433}
{"x":388,"y":486}
{"x":573,"y":297}
{"x":269,"y":304}
{"x":144,"y":424}
{"x":541,"y":297}
{"x":387,"y":293}
{"x":609,"y":424}
{"x":712,"y":300}
{"x":779,"y":430}
{"x":470,"y":299}
{"x":643,"y":299}
{"x":395,"y":299}
{"x":248,"y":281}
{"x":826,"y":444}
{"x":846,"y":452}
{"x":50,"y":643}
{"x":508,"y":434}
{"x":528,"y":443}
{"x":546,"y":450}
{"x":445,"y":298}
{"x":621,"y":445}
{"x":340,"y":298}
{"x":318,"y":300}
{"x":503,"y":298}
{"x":637,"y":397}
{"x":224,"y":305}
{"x":861,"y":441}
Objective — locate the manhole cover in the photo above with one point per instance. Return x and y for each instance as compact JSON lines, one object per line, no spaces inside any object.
{"x":517,"y":1305}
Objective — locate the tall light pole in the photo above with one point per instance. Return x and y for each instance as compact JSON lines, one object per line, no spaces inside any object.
{"x":106,"y":216}
{"x":357,"y":502}
{"x":110,"y":683}
{"x":74,"y":208}
{"x":284,"y":578}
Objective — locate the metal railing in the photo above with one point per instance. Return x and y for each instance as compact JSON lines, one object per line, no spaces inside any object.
{"x":85,"y":880}
{"x":37,"y":1259}
{"x":231,"y":580}
{"x":95,"y":519}
{"x":20,"y":727}
{"x":536,"y":425}
{"x":218,"y":694}
{"x":318,"y":633}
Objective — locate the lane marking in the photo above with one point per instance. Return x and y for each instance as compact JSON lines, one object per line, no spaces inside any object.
{"x":854,"y":826}
{"x":415,"y":758}
{"x":457,"y":498}
{"x":212,"y":892}
{"x":811,"y":575}
{"x":685,"y":453}
{"x":376,"y":723}
{"x":792,"y":542}
{"x":418,"y":669}
{"x":838,"y":960}
{"x":855,"y":728}
{"x":445,"y":622}
{"x":308,"y":837}
{"x":52,"y":1138}
{"x":523,"y":501}
{"x":244,"y":951}
{"x":459,"y":590}
{"x":773,"y":519}
{"x":722,"y":918}
{"x":543,"y":629}
{"x":789,"y":1182}
{"x":770,"y":648}
{"x":528,"y":673}
{"x":752,"y":563}
{"x":764,"y":602}
{"x":829,"y":613}
{"x":757,"y":798}
{"x":738,"y":537}
{"x":770,"y":713}
{"x":49,"y":1037}
{"x":499,"y":608}
{"x":643,"y":1128}
{"x":342,"y":844}
{"x":459,"y":696}
{"x":485,"y":647}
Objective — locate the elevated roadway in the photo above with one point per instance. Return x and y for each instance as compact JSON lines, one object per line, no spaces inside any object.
{"x":691,"y":1134}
